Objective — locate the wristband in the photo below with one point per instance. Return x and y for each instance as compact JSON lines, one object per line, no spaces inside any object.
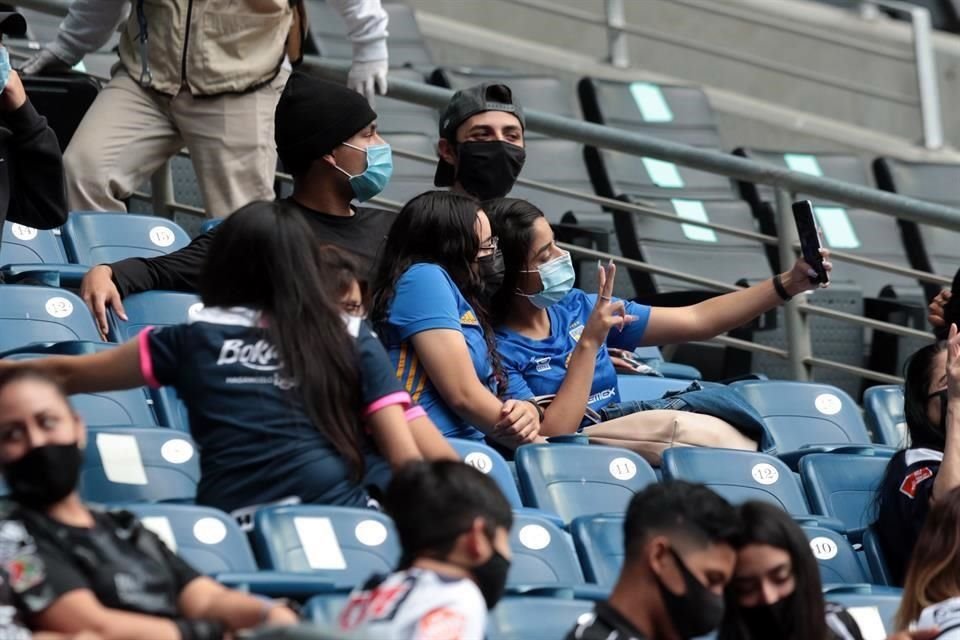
{"x":538,"y":408}
{"x":780,"y":289}
{"x":200,"y":629}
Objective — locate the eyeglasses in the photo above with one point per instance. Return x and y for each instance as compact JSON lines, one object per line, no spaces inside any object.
{"x":352,"y":308}
{"x":491,"y":244}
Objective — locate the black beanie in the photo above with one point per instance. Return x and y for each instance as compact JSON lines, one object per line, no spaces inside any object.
{"x":313,"y":116}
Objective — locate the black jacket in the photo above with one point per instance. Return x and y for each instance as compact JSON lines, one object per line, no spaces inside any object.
{"x":362,"y":234}
{"x":32,"y":189}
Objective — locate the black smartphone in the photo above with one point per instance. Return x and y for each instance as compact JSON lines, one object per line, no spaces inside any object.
{"x":810,"y":239}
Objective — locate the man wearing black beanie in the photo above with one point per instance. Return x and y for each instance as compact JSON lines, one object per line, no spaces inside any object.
{"x":327,"y":138}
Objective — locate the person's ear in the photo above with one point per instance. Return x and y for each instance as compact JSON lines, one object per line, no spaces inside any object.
{"x":81,"y":431}
{"x":478,"y":546}
{"x":328,"y":158}
{"x":447,"y":151}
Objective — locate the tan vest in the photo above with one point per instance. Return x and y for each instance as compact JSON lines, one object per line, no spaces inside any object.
{"x":208,"y":46}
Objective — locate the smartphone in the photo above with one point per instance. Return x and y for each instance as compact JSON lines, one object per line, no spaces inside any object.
{"x":810,"y":239}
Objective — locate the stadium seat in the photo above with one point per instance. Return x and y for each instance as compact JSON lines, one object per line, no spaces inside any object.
{"x":208,"y":539}
{"x":843,"y":486}
{"x":572,"y":480}
{"x":799,"y":414}
{"x":678,"y":113}
{"x":489,"y":461}
{"x":396,"y":116}
{"x":63,"y":98}
{"x":930,"y":248}
{"x":636,"y":387}
{"x":599,"y":543}
{"x":105,"y":408}
{"x":324,"y":609}
{"x":405,"y":42}
{"x":876,"y":560}
{"x":883,"y":412}
{"x":42,"y":314}
{"x":139,"y":464}
{"x":738,"y":476}
{"x":343,"y":545}
{"x":411,"y":177}
{"x":534,"y":617}
{"x":874,"y":607}
{"x":92,"y":238}
{"x":152,"y":308}
{"x":25,"y":245}
{"x":836,"y":557}
{"x":543,"y":554}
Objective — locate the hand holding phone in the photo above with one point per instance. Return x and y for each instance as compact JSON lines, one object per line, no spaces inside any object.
{"x":810,"y":243}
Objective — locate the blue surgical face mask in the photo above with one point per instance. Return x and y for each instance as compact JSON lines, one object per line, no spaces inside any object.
{"x":557,"y":277}
{"x":4,"y":67}
{"x":375,"y":177}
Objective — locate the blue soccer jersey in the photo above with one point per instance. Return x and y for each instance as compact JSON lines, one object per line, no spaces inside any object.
{"x":257,"y":443}
{"x":538,"y":367}
{"x":426,"y":298}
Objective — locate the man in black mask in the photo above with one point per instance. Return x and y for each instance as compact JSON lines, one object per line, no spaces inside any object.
{"x":680,"y":553}
{"x":454,"y":526}
{"x":481,"y":144}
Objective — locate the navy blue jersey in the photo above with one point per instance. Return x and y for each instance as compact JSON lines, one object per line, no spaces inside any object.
{"x":257,"y":444}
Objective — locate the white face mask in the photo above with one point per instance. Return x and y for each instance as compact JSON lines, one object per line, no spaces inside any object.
{"x":557,"y":277}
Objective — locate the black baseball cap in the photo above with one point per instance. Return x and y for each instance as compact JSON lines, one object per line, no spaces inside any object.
{"x":12,"y":23}
{"x":489,"y":96}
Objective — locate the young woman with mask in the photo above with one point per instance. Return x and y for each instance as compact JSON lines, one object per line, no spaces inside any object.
{"x":278,"y":386}
{"x":439,"y":262}
{"x":554,"y":339}
{"x":919,"y":475}
{"x":73,"y":569}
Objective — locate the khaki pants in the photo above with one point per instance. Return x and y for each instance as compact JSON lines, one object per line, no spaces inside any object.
{"x":129,"y":132}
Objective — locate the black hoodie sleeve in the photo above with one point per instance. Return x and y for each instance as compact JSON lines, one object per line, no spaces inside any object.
{"x":177,"y":271}
{"x":38,"y":196}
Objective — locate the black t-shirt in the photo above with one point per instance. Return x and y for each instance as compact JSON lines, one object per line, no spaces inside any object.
{"x":605,"y":623}
{"x":125,"y":565}
{"x":904,"y":503}
{"x":362,"y":234}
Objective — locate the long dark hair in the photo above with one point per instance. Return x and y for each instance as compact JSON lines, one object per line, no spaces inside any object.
{"x":512,"y":222}
{"x":266,"y":257}
{"x":933,"y":574}
{"x":766,"y":524}
{"x":918,"y":374}
{"x":437,"y":227}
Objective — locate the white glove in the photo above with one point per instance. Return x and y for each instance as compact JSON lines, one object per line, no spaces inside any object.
{"x":43,"y":59}
{"x":368,"y":78}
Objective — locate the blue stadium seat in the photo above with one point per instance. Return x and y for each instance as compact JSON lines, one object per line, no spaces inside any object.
{"x":534,"y":617}
{"x":799,"y":414}
{"x":490,"y":462}
{"x":152,"y":308}
{"x":634,"y":387}
{"x":869,"y":603}
{"x":599,"y":543}
{"x":25,"y":245}
{"x":108,"y":408}
{"x":883,"y":410}
{"x":208,"y":539}
{"x":836,"y":557}
{"x":42,"y":314}
{"x":95,"y":238}
{"x":738,"y":476}
{"x":572,"y":480}
{"x":543,"y":554}
{"x":139,"y":464}
{"x":876,"y":560}
{"x":343,"y":545}
{"x":843,"y":486}
{"x":324,"y":609}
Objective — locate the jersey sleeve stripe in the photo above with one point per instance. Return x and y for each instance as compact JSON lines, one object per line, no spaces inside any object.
{"x":398,"y":397}
{"x":146,"y":362}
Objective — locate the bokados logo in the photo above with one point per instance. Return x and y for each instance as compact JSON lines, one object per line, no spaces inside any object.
{"x":259,"y":356}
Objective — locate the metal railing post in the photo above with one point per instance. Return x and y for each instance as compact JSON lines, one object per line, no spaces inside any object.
{"x":161,"y":191}
{"x":927,"y":81}
{"x":616,"y":38}
{"x":797,"y":323}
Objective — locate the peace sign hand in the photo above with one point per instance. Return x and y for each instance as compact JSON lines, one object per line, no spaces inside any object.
{"x":606,"y":313}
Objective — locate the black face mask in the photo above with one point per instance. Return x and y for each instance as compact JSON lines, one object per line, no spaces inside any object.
{"x":695,"y":613}
{"x":491,"y":578}
{"x":770,"y":620}
{"x":488,"y":170}
{"x":45,"y":475}
{"x":491,"y":272}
